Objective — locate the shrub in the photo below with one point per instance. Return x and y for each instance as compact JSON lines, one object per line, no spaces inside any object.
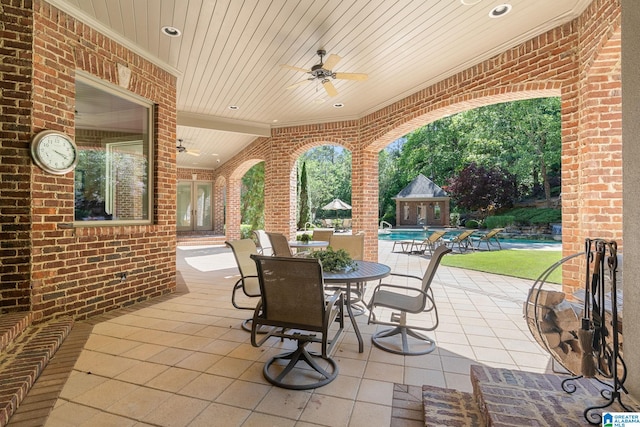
{"x":454,"y":219}
{"x":245,"y":231}
{"x":499,"y":221}
{"x":530,"y":216}
{"x":471,"y":223}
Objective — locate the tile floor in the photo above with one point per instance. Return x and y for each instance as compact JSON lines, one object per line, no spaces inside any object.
{"x":185,"y":361}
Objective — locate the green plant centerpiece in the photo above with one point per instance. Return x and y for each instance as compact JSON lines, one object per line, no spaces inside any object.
{"x":304,"y":238}
{"x":334,"y":261}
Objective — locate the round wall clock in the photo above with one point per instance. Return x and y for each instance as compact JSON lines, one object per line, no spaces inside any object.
{"x":55,"y":152}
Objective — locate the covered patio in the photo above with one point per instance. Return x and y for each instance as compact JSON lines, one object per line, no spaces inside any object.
{"x":117,"y":275}
{"x":184,"y":360}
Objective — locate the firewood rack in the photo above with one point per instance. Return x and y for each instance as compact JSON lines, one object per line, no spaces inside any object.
{"x":598,"y":336}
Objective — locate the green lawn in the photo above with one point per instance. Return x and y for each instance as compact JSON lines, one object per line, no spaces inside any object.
{"x":516,"y":263}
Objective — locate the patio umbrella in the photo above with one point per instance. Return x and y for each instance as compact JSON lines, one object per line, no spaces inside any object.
{"x":336,"y":204}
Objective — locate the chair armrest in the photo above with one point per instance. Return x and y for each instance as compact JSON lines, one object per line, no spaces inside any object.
{"x":407,"y":275}
{"x":331,"y":300}
{"x":404,"y":288}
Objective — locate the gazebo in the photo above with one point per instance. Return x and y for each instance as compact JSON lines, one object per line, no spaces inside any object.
{"x":421,"y":204}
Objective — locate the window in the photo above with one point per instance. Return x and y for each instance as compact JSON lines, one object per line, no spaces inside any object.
{"x":113,"y":178}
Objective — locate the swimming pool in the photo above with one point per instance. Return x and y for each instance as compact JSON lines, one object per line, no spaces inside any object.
{"x":421,"y":235}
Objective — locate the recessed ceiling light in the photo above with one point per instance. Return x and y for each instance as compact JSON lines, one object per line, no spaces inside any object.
{"x":470,"y":2}
{"x":500,"y":10}
{"x":275,"y":120}
{"x":338,"y":105}
{"x":233,"y":107}
{"x":171,"y":31}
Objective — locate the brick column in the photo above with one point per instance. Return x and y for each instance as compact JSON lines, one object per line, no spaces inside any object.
{"x":219,"y":201}
{"x":364,"y":199}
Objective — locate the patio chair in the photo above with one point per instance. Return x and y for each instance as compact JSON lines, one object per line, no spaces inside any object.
{"x":264,"y":244}
{"x":322,"y":235}
{"x":279,"y":245}
{"x":248,"y":282}
{"x":487,"y":238}
{"x":462,"y":240}
{"x":295,"y":307}
{"x":354,"y":246}
{"x":406,"y":299}
{"x":327,"y":223}
{"x":428,"y":243}
{"x":346,"y":224}
{"x":405,"y":245}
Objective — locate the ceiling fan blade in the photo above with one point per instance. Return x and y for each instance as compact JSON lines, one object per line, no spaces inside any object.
{"x":352,"y":76}
{"x":193,"y":152}
{"x":331,"y":62}
{"x":295,"y":85}
{"x":329,"y":87}
{"x":291,"y":67}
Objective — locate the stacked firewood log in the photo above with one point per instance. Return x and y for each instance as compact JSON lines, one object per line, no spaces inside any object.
{"x":554,"y":323}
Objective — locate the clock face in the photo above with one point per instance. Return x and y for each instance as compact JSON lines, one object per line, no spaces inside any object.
{"x":54,"y":152}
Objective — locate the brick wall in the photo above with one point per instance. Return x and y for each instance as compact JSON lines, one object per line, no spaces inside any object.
{"x":569,"y":61}
{"x":78,"y":271}
{"x":16,"y":56}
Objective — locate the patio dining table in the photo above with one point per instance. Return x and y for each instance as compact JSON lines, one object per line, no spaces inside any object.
{"x":311,"y":244}
{"x":365,"y":271}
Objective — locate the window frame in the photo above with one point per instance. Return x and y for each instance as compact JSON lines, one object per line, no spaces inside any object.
{"x":111,"y":89}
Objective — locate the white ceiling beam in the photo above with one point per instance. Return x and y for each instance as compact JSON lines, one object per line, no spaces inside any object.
{"x":222,"y":124}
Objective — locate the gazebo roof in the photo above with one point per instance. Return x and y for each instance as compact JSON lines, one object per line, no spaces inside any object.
{"x":421,"y":188}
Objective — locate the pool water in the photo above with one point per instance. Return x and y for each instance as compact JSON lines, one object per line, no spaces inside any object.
{"x":421,"y":235}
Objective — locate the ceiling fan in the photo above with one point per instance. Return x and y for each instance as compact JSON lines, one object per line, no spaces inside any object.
{"x":182,"y":149}
{"x":324,"y":72}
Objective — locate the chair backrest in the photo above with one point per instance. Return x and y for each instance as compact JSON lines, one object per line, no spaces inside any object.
{"x":328,"y":223}
{"x":242,"y":250}
{"x":492,"y":233}
{"x":353,"y":244}
{"x":346,"y":223}
{"x":263,"y":241}
{"x":322,"y":235}
{"x":280,"y":245}
{"x":435,"y":236}
{"x":433,"y":265}
{"x":292,"y":291}
{"x":464,"y":235}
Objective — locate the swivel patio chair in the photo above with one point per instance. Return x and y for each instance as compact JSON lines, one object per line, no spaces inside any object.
{"x":406,"y":299}
{"x":264,"y":244}
{"x":294,"y":306}
{"x":248,"y":282}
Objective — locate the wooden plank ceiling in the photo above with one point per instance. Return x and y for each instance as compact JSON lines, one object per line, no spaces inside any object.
{"x":230,"y":51}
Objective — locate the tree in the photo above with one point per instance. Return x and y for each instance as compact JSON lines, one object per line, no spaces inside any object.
{"x":476,"y":188}
{"x":304,"y":212}
{"x":329,"y":175}
{"x":252,"y":197}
